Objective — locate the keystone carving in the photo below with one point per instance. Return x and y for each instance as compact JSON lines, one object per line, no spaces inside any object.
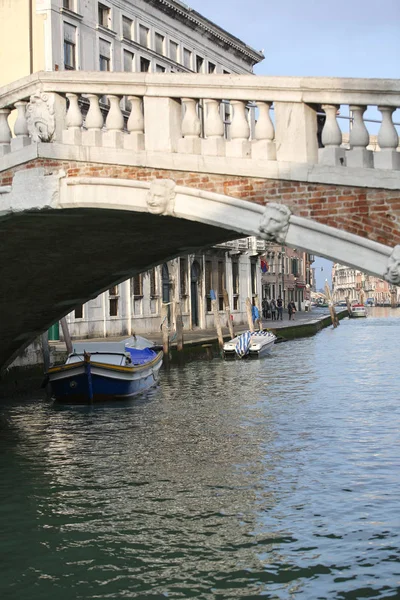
{"x":161,"y":197}
{"x":274,"y":223}
{"x":40,"y":118}
{"x":392,"y":274}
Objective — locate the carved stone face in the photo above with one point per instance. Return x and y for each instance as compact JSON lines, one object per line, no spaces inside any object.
{"x":393,"y":267}
{"x":161,"y":196}
{"x":275,"y":222}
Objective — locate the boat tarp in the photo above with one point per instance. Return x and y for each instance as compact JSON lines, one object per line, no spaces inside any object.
{"x":141,"y":357}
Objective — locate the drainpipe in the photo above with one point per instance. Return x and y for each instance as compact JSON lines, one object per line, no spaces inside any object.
{"x":30,"y":38}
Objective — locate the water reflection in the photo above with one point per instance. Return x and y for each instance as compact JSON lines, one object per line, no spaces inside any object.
{"x":267,"y":478}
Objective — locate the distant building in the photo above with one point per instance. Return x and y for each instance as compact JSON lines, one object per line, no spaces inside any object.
{"x":348,"y":282}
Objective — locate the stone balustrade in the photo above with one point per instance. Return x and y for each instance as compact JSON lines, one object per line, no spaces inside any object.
{"x":232,"y":116}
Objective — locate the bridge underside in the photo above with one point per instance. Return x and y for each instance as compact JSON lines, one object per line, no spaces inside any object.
{"x":53,"y":261}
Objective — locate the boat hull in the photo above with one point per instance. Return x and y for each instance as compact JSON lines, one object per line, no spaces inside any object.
{"x":78,"y":383}
{"x":260,"y":345}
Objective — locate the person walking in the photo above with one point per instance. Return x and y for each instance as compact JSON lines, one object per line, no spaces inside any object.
{"x":291,"y":310}
{"x":272,"y":306}
{"x":279,"y":305}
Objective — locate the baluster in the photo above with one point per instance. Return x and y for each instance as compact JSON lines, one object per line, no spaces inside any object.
{"x":388,"y":140}
{"x":135,"y":139}
{"x":21,"y":132}
{"x":332,"y":153}
{"x":214,"y":144}
{"x":73,"y":122}
{"x":239,"y":145}
{"x":94,"y":123}
{"x":190,"y":143}
{"x":264,"y":146}
{"x":358,"y":155}
{"x":5,"y":132}
{"x":113,"y":137}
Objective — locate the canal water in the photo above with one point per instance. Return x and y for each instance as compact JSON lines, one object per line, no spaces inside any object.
{"x":277,"y":478}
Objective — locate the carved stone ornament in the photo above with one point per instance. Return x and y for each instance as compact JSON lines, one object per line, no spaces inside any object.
{"x":274,"y":223}
{"x":392,"y":274}
{"x":161,"y":197}
{"x":40,"y":118}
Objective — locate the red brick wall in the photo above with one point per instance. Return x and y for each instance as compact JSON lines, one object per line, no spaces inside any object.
{"x":371,"y":213}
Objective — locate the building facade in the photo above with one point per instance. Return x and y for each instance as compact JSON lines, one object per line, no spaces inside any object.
{"x":350,"y":283}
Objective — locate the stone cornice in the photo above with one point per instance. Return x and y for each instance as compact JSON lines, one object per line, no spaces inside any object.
{"x":211,"y":28}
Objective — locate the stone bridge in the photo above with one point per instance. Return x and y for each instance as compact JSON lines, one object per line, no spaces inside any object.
{"x":103,"y":175}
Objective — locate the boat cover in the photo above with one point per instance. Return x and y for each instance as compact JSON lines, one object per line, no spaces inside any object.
{"x":243,"y":343}
{"x":141,"y":357}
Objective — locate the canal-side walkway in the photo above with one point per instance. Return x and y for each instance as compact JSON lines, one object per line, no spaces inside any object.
{"x":304,"y":324}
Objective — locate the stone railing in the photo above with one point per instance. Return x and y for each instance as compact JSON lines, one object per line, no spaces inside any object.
{"x":232,"y":116}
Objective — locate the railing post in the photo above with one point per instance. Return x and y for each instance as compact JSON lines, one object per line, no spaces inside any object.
{"x":94,"y":123}
{"x":162,"y":123}
{"x":5,"y":131}
{"x":191,"y":128}
{"x":21,"y":132}
{"x":388,"y":140}
{"x":239,"y":145}
{"x":214,"y":144}
{"x":332,"y":153}
{"x":135,"y":139}
{"x":73,"y":121}
{"x":296,"y":132}
{"x":113,"y":137}
{"x":358,"y":155}
{"x":263,"y":146}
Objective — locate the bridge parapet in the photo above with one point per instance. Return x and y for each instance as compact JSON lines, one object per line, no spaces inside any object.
{"x":205,"y":116}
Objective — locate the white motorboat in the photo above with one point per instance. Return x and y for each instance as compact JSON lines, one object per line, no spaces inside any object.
{"x":249,"y":345}
{"x":357,"y":310}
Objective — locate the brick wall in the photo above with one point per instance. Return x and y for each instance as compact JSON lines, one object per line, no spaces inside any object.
{"x":370,"y":213}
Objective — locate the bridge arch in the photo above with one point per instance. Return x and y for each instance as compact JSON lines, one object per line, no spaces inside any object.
{"x":66,"y":239}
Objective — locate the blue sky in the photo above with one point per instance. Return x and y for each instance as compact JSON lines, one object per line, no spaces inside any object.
{"x":344,"y":38}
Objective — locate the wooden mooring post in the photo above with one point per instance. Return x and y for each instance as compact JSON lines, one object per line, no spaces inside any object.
{"x":249,"y":314}
{"x":66,"y":334}
{"x":228,"y":314}
{"x":217,"y":320}
{"x":165,"y":331}
{"x":179,"y":326}
{"x":334,"y":317}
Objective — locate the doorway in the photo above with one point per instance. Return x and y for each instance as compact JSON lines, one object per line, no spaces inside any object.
{"x":194,"y":293}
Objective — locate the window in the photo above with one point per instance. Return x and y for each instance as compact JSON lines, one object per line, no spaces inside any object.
{"x":253,"y":268}
{"x":235,"y":284}
{"x":105,"y":55}
{"x":129,"y":63}
{"x":137,"y":285}
{"x":159,"y":43}
{"x":144,"y":65}
{"x":113,"y":300}
{"x":69,"y":4}
{"x":199,"y":64}
{"x":160,"y":69}
{"x":208,"y":283}
{"x":143,"y":36}
{"x":183,"y":272}
{"x":127,"y":28}
{"x":211,"y":67}
{"x":69,"y":47}
{"x":221,"y":285}
{"x":187,"y":58}
{"x":173,"y":51}
{"x":153,"y":288}
{"x":104,"y":15}
{"x":78,"y":314}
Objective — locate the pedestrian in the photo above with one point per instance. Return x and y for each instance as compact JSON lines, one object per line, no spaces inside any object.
{"x":272,"y":307}
{"x":279,"y":305}
{"x":291,"y":310}
{"x":265,"y":308}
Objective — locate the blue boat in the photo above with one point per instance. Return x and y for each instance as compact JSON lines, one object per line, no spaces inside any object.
{"x":99,"y":371}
